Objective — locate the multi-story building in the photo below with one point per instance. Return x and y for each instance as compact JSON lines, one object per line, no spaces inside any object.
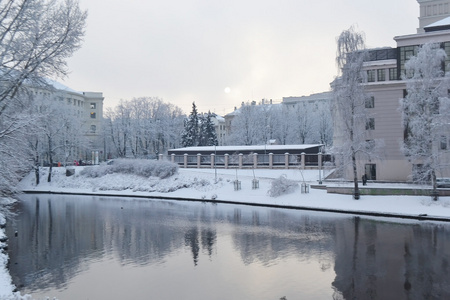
{"x":386,"y":87}
{"x":432,"y":11}
{"x":325,"y":97}
{"x":87,"y":106}
{"x":219,"y":126}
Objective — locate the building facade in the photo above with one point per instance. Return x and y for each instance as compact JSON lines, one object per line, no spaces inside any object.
{"x":86,"y":106}
{"x":432,"y":11}
{"x":219,"y":126}
{"x":385,"y":87}
{"x":325,"y":97}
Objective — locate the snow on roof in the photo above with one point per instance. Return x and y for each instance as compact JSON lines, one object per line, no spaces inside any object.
{"x":220,"y":118}
{"x":247,"y":148}
{"x":256,"y":106}
{"x":61,"y":87}
{"x":443,"y":22}
{"x":312,"y":97}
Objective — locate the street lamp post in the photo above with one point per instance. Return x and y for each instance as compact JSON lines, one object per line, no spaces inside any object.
{"x":319,"y":161}
{"x":215,"y":169}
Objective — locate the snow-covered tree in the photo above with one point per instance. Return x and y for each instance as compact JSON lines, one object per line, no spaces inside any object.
{"x":190,"y":136}
{"x":323,"y":123}
{"x":254,"y":124}
{"x":36,"y":38}
{"x":426,"y":112}
{"x":349,"y":100}
{"x":283,"y":118}
{"x":302,"y":129}
{"x":301,"y":123}
{"x":142,"y":127}
{"x":57,"y":136}
{"x":119,"y":123}
{"x":207,"y":133}
{"x":168,"y":126}
{"x":15,"y":131}
{"x":244,"y":126}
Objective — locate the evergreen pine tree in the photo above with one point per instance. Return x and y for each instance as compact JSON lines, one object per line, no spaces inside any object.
{"x":208,"y":136}
{"x":210,"y":131}
{"x":202,"y":130}
{"x":190,"y":136}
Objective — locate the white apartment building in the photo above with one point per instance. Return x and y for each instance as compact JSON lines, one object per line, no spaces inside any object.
{"x":88,"y":106}
{"x":219,"y":126}
{"x":325,"y":97}
{"x":385,"y":87}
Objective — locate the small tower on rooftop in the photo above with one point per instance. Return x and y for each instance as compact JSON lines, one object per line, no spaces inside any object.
{"x":432,"y":11}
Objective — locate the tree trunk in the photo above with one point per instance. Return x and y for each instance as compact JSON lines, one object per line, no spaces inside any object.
{"x":36,"y":173}
{"x":36,"y":162}
{"x":355,"y":178}
{"x":434,"y":191}
{"x":49,"y":178}
{"x":50,"y":158}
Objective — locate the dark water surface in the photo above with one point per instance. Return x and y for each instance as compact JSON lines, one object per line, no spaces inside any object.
{"x":81,"y":247}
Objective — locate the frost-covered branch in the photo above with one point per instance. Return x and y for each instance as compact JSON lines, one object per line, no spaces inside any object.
{"x":426,"y":113}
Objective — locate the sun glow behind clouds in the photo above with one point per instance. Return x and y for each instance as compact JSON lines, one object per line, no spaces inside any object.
{"x":227,"y":90}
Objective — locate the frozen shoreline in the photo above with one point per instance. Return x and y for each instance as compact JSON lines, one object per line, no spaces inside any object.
{"x":217,"y":186}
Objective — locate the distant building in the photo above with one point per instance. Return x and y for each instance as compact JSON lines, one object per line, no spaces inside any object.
{"x":219,"y":126}
{"x":87,"y":105}
{"x":313,"y":98}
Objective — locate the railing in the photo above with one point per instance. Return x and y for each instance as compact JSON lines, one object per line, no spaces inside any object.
{"x":253,"y":160}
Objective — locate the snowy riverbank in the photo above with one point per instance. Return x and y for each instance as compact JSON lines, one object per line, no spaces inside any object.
{"x":217,"y":185}
{"x":6,"y":286}
{"x":210,"y":184}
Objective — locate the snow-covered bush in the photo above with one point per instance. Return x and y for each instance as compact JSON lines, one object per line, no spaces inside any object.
{"x":282,"y":186}
{"x":140,"y":167}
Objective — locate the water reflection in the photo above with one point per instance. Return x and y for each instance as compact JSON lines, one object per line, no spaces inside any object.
{"x":241,"y":252}
{"x":376,"y":260}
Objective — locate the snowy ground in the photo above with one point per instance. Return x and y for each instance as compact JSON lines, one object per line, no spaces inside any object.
{"x":210,"y":184}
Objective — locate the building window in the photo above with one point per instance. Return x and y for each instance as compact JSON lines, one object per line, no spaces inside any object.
{"x":93,"y":115}
{"x":381,"y":75}
{"x":370,"y":124}
{"x":93,"y":105}
{"x":405,"y":54}
{"x":447,"y":59}
{"x":370,"y":75}
{"x":93,"y":128}
{"x":371,"y":171}
{"x":370,"y":102}
{"x":393,"y":75}
{"x":443,"y":143}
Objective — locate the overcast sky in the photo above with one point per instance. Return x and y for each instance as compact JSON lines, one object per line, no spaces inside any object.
{"x":220,"y":53}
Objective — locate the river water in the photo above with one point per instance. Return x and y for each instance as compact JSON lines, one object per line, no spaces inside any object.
{"x":84,"y":247}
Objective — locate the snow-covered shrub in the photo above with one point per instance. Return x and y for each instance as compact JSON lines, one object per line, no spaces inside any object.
{"x":140,"y":167}
{"x":282,"y":186}
{"x":94,"y":172}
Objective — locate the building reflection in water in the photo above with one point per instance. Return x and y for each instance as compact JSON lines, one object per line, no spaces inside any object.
{"x":381,"y":260}
{"x":59,"y":235}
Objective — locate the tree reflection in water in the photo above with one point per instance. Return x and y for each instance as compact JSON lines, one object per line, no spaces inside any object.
{"x":60,"y":237}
